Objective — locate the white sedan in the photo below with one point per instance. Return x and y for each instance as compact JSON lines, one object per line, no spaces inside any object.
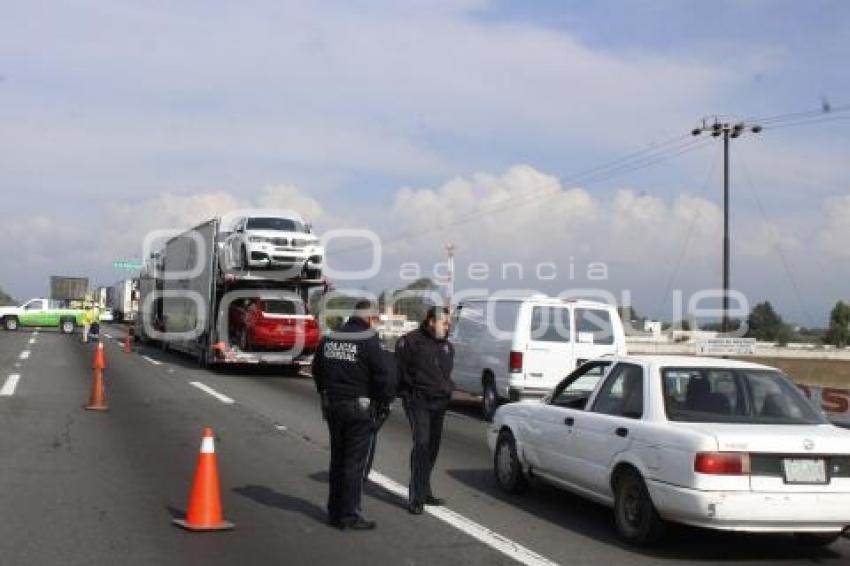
{"x":706,"y":442}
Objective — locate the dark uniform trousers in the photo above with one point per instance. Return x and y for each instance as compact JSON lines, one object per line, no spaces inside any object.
{"x":351,"y":436}
{"x":426,"y":421}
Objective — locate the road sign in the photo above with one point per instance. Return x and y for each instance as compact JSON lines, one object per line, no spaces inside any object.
{"x":726,"y":347}
{"x":127,"y":264}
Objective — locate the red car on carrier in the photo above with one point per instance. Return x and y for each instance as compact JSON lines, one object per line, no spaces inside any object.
{"x":273,"y":324}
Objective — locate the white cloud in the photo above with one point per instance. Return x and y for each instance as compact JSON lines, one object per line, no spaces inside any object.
{"x":834,"y":236}
{"x":519,"y":215}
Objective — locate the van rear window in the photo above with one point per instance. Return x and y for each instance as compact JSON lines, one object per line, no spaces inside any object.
{"x":593,"y":326}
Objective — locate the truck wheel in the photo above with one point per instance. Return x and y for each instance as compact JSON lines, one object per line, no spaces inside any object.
{"x":635,"y":516}
{"x":10,"y":323}
{"x":203,"y":357}
{"x":67,"y":326}
{"x":489,"y":399}
{"x":506,"y":465}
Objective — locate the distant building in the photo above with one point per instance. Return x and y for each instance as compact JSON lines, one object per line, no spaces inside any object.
{"x":391,"y":326}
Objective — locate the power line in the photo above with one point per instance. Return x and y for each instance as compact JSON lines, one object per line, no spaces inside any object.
{"x":783,"y":260}
{"x":808,"y":122}
{"x":633,"y":165}
{"x":634,"y":161}
{"x":797,"y":115}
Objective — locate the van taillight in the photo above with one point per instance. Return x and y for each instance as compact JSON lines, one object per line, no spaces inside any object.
{"x":722,"y":463}
{"x":516,"y":362}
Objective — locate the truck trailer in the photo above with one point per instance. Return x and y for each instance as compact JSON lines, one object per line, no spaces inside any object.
{"x":124,"y":301}
{"x":186,"y":298}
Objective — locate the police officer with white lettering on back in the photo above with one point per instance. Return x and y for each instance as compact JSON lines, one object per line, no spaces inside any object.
{"x":425,"y":360}
{"x":351,"y":377}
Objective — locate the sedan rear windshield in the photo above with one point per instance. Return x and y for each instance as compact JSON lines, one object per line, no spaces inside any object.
{"x":282,"y":306}
{"x":280,"y":224}
{"x":727,"y":395}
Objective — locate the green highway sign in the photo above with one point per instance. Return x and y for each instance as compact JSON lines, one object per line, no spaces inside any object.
{"x":127,"y":264}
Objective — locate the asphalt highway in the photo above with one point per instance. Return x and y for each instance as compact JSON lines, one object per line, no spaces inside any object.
{"x":102,"y":488}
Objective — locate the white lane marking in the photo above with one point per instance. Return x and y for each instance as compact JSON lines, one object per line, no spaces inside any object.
{"x":32,"y":340}
{"x":10,"y":385}
{"x":207,"y":389}
{"x":153,"y":361}
{"x":481,"y":533}
{"x":25,"y":354}
{"x":107,"y":335}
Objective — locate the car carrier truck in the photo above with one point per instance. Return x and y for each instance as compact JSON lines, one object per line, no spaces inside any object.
{"x":187,"y":295}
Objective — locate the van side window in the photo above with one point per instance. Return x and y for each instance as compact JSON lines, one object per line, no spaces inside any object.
{"x":593,"y":326}
{"x":550,"y":324}
{"x":622,"y":393}
{"x":502,"y":318}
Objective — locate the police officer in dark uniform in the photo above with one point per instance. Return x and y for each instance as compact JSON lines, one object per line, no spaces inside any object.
{"x":425,"y":360}
{"x":350,"y":375}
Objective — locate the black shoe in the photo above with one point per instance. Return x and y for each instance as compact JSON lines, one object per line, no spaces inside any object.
{"x":415,"y":508}
{"x":336,"y":523}
{"x":358,"y":524}
{"x":435,"y":501}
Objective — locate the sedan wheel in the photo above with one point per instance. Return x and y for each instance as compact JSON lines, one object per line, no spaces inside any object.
{"x":635,"y":516}
{"x":67,"y":326}
{"x":10,"y":324}
{"x":509,"y":474}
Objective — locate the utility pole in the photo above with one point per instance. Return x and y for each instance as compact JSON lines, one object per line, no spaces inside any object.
{"x":450,"y":283}
{"x":729,"y":132}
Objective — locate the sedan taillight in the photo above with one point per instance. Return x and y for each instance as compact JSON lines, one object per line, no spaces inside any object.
{"x":722,"y":463}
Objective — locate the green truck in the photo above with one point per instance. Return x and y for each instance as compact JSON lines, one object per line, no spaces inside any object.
{"x":46,"y":313}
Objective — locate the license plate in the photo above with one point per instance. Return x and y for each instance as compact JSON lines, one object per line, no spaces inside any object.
{"x":804,"y":470}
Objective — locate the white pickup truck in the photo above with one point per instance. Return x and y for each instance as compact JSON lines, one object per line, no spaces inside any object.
{"x":43,"y":313}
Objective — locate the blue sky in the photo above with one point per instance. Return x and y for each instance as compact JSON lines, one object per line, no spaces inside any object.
{"x":138,"y":115}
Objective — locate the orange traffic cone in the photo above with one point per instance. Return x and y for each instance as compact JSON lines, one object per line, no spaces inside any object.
{"x":204,"y":512}
{"x":97,"y":401}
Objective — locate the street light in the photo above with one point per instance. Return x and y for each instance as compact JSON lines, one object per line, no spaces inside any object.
{"x":728,"y":131}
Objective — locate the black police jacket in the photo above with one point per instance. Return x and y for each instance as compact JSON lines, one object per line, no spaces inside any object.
{"x":350,"y":363}
{"x":424,"y":365}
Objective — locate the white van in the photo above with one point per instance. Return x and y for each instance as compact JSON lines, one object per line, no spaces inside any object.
{"x":507,"y":349}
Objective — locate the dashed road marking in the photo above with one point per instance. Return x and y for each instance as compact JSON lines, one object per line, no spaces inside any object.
{"x":32,"y":340}
{"x":11,"y":383}
{"x":24,"y":355}
{"x":153,"y":361}
{"x":479,"y":532}
{"x":209,"y":390}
